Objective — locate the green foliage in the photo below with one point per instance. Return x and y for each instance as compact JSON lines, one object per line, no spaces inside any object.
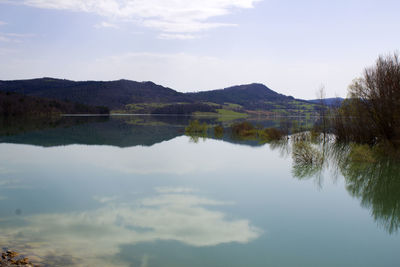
{"x":222,"y":115}
{"x":218,"y":131}
{"x":246,"y":130}
{"x":211,"y":104}
{"x":195,"y":127}
{"x":272,"y":134}
{"x":243,"y":129}
{"x":139,"y":108}
{"x":231,"y":113}
{"x":233,"y":106}
{"x":184,"y":109}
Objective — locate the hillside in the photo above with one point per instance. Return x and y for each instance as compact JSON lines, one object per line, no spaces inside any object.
{"x":253,"y":96}
{"x":15,"y":104}
{"x":125,"y":96}
{"x":113,"y":94}
{"x":334,"y":101}
{"x":246,"y":95}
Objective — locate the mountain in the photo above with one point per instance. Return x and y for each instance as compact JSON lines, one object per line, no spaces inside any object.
{"x":251,"y":96}
{"x":113,"y":94}
{"x":334,"y":101}
{"x":126,"y":96}
{"x":15,"y":104}
{"x":240,"y":94}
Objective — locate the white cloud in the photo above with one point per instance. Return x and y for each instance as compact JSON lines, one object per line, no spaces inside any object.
{"x":179,"y":36}
{"x":167,"y":189}
{"x":19,"y":35}
{"x":181,"y":200}
{"x":173,"y":16}
{"x":183,"y":26}
{"x":14,"y":37}
{"x":105,"y":24}
{"x":105,"y":199}
{"x":2,"y":23}
{"x":11,"y":184}
{"x":5,"y":170}
{"x":5,"y":38}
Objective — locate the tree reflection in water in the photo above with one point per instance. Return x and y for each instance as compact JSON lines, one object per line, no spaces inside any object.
{"x":370,"y":176}
{"x":308,"y":161}
{"x":377,"y":185}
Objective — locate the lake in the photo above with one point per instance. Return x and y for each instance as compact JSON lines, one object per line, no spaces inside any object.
{"x":136,"y":191}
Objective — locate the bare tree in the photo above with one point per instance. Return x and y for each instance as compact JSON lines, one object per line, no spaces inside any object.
{"x":321,"y":95}
{"x":374,"y":106}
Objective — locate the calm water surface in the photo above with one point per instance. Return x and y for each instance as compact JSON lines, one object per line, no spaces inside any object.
{"x":135,"y":191}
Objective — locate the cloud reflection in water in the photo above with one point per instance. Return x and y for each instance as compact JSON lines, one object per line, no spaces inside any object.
{"x":93,"y":235}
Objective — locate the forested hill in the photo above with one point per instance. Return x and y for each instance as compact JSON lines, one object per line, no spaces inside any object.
{"x":147,"y":97}
{"x":15,"y":104}
{"x":250,"y":96}
{"x":113,"y":94}
{"x":240,"y":94}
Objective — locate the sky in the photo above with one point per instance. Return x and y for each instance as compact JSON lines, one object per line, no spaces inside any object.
{"x":293,"y":47}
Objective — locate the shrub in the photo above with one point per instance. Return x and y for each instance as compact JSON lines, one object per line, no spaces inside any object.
{"x":243,"y":129}
{"x":195,"y":127}
{"x":304,"y":153}
{"x":218,"y":131}
{"x":273,"y":134}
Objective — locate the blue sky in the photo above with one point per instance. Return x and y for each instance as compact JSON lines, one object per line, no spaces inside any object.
{"x":293,"y":47}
